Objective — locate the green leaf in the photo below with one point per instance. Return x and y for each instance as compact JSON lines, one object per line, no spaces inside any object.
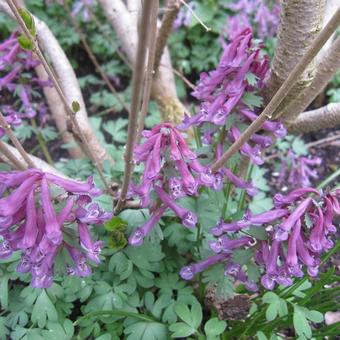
{"x":184,"y":313}
{"x":252,"y":100}
{"x":117,"y":129}
{"x":75,"y":106}
{"x":4,"y":292}
{"x":300,"y":322}
{"x":261,"y":336}
{"x":214,"y":327}
{"x":43,"y":310}
{"x":28,"y":20}
{"x":181,"y":330}
{"x":146,"y":331}
{"x":25,"y":43}
{"x":258,"y":232}
{"x":271,"y":312}
{"x":117,"y":240}
{"x":314,"y":316}
{"x":116,"y":223}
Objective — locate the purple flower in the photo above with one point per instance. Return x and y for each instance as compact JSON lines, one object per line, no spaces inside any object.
{"x":137,"y":237}
{"x":282,"y":200}
{"x":225,"y":244}
{"x":188,"y":272}
{"x":92,"y":248}
{"x":81,"y":268}
{"x":189,"y":219}
{"x":29,"y":222}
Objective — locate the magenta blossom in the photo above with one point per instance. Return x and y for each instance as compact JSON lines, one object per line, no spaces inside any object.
{"x":30,"y":222}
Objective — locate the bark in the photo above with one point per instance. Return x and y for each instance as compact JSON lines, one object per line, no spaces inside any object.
{"x":40,"y":164}
{"x":59,"y":114}
{"x":68,"y":81}
{"x":330,"y":9}
{"x":322,"y":118}
{"x":164,"y":89}
{"x":300,"y":23}
{"x":171,"y":12}
{"x":326,"y":69}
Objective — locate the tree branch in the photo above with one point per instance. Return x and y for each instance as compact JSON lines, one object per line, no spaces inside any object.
{"x":326,"y":69}
{"x":300,"y":23}
{"x":322,"y":118}
{"x":171,"y":11}
{"x":163,"y":88}
{"x":149,"y":71}
{"x":281,"y":94}
{"x":137,"y":87}
{"x":39,"y":164}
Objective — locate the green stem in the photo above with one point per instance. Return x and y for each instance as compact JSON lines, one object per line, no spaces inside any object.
{"x":115,"y":313}
{"x":42,"y":143}
{"x":242,"y":200}
{"x":329,"y":179}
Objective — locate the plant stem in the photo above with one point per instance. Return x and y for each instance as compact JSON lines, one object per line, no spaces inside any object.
{"x":11,"y":157}
{"x":283,"y":91}
{"x":137,"y":84}
{"x":329,"y":179}
{"x":243,"y":192}
{"x":149,"y":70}
{"x":42,"y":144}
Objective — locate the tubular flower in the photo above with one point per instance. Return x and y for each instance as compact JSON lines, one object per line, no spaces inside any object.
{"x":13,"y":62}
{"x":298,"y":232}
{"x":297,"y":170}
{"x":30,"y":223}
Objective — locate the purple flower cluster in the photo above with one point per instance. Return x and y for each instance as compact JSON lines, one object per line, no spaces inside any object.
{"x":30,"y":223}
{"x":297,"y":170}
{"x":253,"y":13}
{"x":15,"y":63}
{"x":220,"y":91}
{"x":241,"y":70}
{"x":299,"y":230}
{"x":171,"y":171}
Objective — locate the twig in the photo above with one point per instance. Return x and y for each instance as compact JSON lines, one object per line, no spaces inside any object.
{"x":172,"y":10}
{"x":196,"y":16}
{"x":94,"y":59}
{"x":11,"y":157}
{"x":137,"y":84}
{"x":15,"y":141}
{"x":288,"y":84}
{"x":181,"y":76}
{"x":325,"y":140}
{"x":322,"y":141}
{"x":36,"y":49}
{"x":149,"y":71}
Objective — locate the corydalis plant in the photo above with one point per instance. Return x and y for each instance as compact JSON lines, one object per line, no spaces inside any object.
{"x":299,"y":229}
{"x":16,"y":66}
{"x":171,"y":171}
{"x":31,"y":223}
{"x":261,"y":14}
{"x":298,"y":170}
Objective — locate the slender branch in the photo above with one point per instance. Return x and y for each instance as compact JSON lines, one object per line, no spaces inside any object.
{"x":94,"y":59}
{"x":280,"y":95}
{"x":137,"y":83}
{"x":11,"y":157}
{"x":328,"y":66}
{"x":322,"y":118}
{"x":15,"y":9}
{"x":171,"y":12}
{"x":149,"y":70}
{"x":15,"y":141}
{"x":40,"y":164}
{"x":196,"y":16}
